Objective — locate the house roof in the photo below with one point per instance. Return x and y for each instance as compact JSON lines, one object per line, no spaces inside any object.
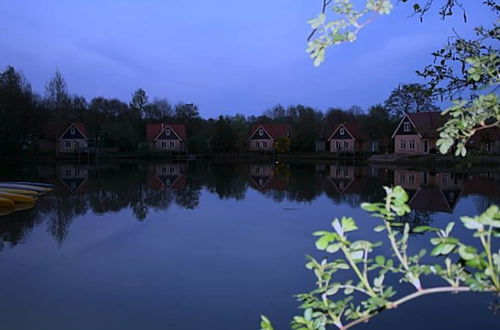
{"x":54,"y":130}
{"x":485,"y":135}
{"x":154,"y":130}
{"x":430,"y":198}
{"x":276,"y":131}
{"x":426,"y":123}
{"x":354,"y":129}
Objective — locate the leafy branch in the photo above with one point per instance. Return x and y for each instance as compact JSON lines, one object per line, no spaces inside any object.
{"x":346,"y":304}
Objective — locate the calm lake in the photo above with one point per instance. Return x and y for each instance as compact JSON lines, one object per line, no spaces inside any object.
{"x":209,"y":245}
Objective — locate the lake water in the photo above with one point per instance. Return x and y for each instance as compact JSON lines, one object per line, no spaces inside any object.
{"x":208,"y":245}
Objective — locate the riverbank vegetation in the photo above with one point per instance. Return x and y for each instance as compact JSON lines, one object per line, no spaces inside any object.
{"x":120,"y":124}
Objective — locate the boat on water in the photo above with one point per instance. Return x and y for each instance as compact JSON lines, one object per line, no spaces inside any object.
{"x":25,"y":187}
{"x":18,"y":198}
{"x":38,"y":184}
{"x":20,"y":195}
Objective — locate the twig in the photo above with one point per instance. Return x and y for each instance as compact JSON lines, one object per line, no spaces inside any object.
{"x":409,"y":297}
{"x":323,"y":10}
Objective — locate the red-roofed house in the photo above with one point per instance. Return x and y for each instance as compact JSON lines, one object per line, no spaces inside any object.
{"x":349,"y":137}
{"x":264,"y":136}
{"x":70,"y":138}
{"x":417,"y":133}
{"x":487,"y":140}
{"x":166,"y":137}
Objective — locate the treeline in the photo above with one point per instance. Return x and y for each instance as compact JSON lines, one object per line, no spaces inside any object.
{"x":111,"y":122}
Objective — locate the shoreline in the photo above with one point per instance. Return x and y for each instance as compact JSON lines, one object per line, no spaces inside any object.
{"x":378,"y":160}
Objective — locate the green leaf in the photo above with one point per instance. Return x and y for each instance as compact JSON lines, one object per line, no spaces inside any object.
{"x":380,"y":260}
{"x":265,"y":324}
{"x":379,"y":228}
{"x":348,"y":224}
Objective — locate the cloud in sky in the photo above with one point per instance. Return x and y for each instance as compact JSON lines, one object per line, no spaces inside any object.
{"x":226,"y":56}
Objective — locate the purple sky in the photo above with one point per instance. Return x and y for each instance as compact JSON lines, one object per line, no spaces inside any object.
{"x":227,"y":56}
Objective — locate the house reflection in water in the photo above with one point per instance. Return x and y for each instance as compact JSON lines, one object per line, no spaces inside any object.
{"x":266,"y":177}
{"x":348,"y":178}
{"x":73,"y":177}
{"x":167,"y":176}
{"x":430,"y":191}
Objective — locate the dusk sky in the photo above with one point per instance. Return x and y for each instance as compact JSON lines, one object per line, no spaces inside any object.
{"x":226,"y":56}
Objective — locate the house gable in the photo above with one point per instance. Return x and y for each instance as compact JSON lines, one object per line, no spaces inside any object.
{"x":168,"y":134}
{"x":73,"y":133}
{"x":341,"y":133}
{"x":260,"y":134}
{"x":407,"y":124}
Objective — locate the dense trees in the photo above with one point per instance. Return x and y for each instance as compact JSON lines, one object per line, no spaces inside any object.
{"x":410,"y":98}
{"x":112,"y":123}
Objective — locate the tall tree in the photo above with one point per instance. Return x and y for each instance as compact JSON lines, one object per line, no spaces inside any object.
{"x":410,"y":98}
{"x":57,"y":98}
{"x":139,"y":102}
{"x":20,"y":118}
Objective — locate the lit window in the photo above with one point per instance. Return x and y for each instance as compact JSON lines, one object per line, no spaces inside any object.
{"x":406,"y":127}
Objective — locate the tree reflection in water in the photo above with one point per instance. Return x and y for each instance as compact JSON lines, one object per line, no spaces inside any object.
{"x":144,"y":187}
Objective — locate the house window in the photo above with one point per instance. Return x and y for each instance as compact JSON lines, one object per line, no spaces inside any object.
{"x":264,"y":144}
{"x":346,"y":145}
{"x":167,"y":132}
{"x":172,"y":170}
{"x":172,"y":144}
{"x":163,"y":145}
{"x":72,"y":131}
{"x":411,"y":179}
{"x":337,"y":144}
{"x":68,"y":173}
{"x":261,"y":132}
{"x":403,"y":144}
{"x":257,"y":144}
{"x":163,"y":170}
{"x":68,"y":144}
{"x":338,"y":172}
{"x":406,"y":127}
{"x":346,"y":172}
{"x":167,"y":182}
{"x":402,"y":178}
{"x":412,"y":144}
{"x":342,"y":131}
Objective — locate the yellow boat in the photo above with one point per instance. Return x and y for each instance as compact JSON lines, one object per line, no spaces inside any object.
{"x":6,"y":203}
{"x":25,"y":187}
{"x":5,"y":211}
{"x":23,"y":206}
{"x":17,"y":197}
{"x":20,"y":191}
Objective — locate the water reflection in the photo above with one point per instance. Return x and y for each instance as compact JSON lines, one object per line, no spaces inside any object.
{"x":146,"y":187}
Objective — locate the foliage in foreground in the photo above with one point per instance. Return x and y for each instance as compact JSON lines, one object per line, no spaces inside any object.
{"x":345,"y":304}
{"x":477,"y":60}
